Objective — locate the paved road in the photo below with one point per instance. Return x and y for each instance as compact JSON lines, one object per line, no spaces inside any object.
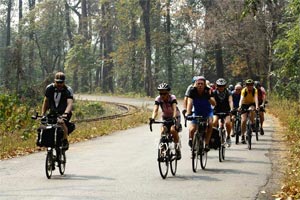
{"x":123,"y":166}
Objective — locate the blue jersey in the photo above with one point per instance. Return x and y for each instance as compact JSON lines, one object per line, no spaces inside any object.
{"x":236,"y":99}
{"x":201,"y":105}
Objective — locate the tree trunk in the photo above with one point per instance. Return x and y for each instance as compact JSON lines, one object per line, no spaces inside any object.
{"x":219,"y":60}
{"x":169,"y":46}
{"x":145,"y":4}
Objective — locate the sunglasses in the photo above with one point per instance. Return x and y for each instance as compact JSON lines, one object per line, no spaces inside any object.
{"x":162,"y":94}
{"x":59,"y":82}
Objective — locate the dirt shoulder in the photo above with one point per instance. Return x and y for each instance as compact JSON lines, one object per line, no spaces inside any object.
{"x":277,"y":155}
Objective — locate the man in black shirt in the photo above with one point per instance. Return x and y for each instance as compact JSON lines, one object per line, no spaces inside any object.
{"x":59,"y":100}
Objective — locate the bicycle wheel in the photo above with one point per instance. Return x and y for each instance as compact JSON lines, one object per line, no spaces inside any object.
{"x":163,"y":162}
{"x":249,"y":135}
{"x":49,"y":165}
{"x":256,"y":128}
{"x":222,"y":146}
{"x":203,"y":154}
{"x":62,"y":160}
{"x":173,"y":161}
{"x":237,"y":131}
{"x":195,"y":152}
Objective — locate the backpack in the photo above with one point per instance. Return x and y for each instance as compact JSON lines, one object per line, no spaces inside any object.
{"x":246,"y":92}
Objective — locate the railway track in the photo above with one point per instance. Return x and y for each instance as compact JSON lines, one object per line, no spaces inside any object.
{"x":125,"y":109}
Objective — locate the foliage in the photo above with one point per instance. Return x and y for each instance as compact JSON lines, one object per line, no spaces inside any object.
{"x":288,"y":113}
{"x":18,"y":130}
{"x":287,"y":52}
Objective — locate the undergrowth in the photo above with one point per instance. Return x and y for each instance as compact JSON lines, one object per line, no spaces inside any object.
{"x":288,"y":113}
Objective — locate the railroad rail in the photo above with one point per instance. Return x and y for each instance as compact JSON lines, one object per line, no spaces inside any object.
{"x":126,"y":111}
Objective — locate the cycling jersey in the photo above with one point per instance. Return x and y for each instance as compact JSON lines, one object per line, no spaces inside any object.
{"x":166,"y":106}
{"x":236,"y":99}
{"x":222,"y":102}
{"x":261,"y":93}
{"x":248,"y":97}
{"x":58,"y":98}
{"x":201,"y":105}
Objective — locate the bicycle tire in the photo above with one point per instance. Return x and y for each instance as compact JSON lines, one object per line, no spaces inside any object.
{"x":256,"y":128}
{"x":222,"y":145}
{"x":249,"y":135}
{"x":49,"y":164}
{"x":195,"y":152}
{"x":202,"y":152}
{"x":237,"y":131}
{"x":163,"y":163}
{"x":62,"y":161}
{"x":173,"y":161}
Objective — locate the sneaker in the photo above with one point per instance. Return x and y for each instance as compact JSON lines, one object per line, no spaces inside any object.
{"x":228,"y":141}
{"x":243,"y":140}
{"x":65,"y":144}
{"x":262,"y":131}
{"x":190,"y":142}
{"x":206,"y":148}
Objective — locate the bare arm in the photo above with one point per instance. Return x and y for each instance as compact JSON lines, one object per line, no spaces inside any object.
{"x":69,"y":106}
{"x":45,"y":105}
{"x":155,"y":112}
{"x":189,"y":106}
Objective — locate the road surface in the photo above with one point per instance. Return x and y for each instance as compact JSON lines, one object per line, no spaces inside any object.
{"x":123,"y":166}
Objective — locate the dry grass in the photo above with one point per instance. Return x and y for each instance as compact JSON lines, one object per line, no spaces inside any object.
{"x":289,"y":114}
{"x":13,"y":145}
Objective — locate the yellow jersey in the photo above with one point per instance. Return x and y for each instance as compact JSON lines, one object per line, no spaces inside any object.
{"x":248,"y":97}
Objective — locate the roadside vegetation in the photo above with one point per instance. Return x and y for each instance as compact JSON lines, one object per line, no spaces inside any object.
{"x":18,"y":130}
{"x":288,"y":112}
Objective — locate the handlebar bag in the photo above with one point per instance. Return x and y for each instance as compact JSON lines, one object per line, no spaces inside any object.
{"x":49,"y":137}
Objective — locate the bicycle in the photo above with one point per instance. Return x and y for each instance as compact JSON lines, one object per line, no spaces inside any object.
{"x":167,"y":152}
{"x":198,"y":142}
{"x":249,"y":128}
{"x":222,"y":134}
{"x":237,"y":126}
{"x":257,"y":123}
{"x":50,"y":135}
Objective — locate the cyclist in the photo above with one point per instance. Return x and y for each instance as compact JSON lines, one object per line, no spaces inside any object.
{"x":200,"y":99}
{"x":186,"y":93}
{"x":224,"y":104}
{"x":248,"y":100}
{"x":261,"y":95}
{"x":168,"y":104}
{"x":236,"y":96}
{"x":59,"y":100}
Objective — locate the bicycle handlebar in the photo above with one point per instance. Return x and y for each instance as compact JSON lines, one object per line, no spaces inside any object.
{"x":164,"y":122}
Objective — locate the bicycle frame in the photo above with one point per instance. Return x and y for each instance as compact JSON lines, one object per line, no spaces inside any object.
{"x":167,"y":155}
{"x":198,"y":144}
{"x":222,"y":129}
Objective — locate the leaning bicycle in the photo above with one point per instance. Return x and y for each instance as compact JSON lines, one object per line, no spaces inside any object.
{"x":198,"y":143}
{"x":50,"y":135}
{"x":167,"y":152}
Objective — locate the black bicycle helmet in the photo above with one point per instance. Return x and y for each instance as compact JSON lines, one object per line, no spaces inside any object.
{"x":257,"y":84}
{"x":221,"y":82}
{"x":249,"y":82}
{"x":164,"y":86}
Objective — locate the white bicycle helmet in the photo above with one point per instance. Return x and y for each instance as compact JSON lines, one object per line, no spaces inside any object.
{"x":164,"y":86}
{"x":221,"y":82}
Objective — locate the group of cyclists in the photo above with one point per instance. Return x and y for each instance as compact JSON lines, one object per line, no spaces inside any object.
{"x":206,"y":99}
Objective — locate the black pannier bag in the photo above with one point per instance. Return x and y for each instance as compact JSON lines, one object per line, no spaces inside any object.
{"x":46,"y":137}
{"x":215,"y":142}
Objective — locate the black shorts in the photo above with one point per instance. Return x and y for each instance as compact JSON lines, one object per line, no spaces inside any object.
{"x":245,"y":107}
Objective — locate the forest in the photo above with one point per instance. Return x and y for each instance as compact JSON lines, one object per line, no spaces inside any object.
{"x":130,"y":46}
